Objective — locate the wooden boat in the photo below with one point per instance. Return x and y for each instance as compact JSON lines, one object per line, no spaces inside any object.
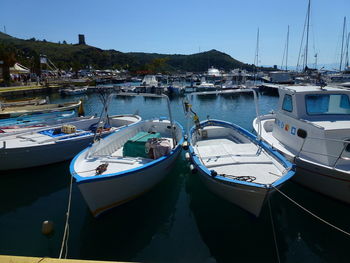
{"x":55,"y":143}
{"x":9,"y":112}
{"x":127,"y":163}
{"x":311,"y":128}
{"x":235,"y":164}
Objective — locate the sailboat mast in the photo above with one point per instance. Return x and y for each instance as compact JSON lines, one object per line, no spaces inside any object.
{"x":287,"y":48}
{"x":256,"y":59}
{"x":342,"y":45}
{"x":347,"y":52}
{"x":307,"y":33}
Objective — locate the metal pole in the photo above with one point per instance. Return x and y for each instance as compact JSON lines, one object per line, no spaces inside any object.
{"x":342,"y":45}
{"x":307,"y":33}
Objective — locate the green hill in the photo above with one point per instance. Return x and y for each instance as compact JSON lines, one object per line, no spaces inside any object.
{"x":66,"y":56}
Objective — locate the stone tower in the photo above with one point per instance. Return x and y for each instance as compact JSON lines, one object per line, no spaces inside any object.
{"x":81,"y":39}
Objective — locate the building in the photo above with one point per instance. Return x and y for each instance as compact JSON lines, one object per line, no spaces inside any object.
{"x":81,"y":39}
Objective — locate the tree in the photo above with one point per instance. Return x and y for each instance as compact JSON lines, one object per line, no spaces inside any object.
{"x":64,"y":42}
{"x":8,"y":56}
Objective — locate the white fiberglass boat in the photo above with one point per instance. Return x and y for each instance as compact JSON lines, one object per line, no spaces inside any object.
{"x":311,"y":127}
{"x":127,"y":163}
{"x":54,"y":143}
{"x":237,"y":165}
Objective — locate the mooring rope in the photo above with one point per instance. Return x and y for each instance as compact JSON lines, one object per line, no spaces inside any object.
{"x":274,"y":233}
{"x":66,"y":227}
{"x":314,"y":215}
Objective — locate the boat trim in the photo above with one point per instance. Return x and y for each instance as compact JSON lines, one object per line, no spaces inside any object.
{"x":288,"y":166}
{"x":80,"y":179}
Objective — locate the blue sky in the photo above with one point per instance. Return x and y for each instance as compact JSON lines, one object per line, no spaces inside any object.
{"x":184,"y":27}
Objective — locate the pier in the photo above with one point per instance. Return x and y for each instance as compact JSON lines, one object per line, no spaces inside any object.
{"x":17,"y":259}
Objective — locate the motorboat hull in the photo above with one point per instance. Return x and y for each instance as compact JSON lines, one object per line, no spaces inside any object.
{"x":323,"y":179}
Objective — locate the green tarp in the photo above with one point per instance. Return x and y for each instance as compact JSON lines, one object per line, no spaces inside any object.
{"x":135,"y":147}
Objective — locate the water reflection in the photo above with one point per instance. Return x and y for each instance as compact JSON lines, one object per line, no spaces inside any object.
{"x":123,"y":232}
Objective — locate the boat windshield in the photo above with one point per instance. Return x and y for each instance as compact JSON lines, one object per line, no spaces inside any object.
{"x":326,"y":104}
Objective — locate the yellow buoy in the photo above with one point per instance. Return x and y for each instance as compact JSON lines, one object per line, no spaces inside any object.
{"x":47,"y":227}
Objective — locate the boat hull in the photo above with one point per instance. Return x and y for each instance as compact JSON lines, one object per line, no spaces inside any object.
{"x":106,"y":193}
{"x":25,"y":157}
{"x":330,"y":182}
{"x":249,"y":198}
{"x":248,"y":195}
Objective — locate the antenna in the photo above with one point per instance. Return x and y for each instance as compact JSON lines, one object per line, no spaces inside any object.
{"x":4,"y":29}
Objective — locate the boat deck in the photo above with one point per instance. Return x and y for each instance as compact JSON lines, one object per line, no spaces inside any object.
{"x":116,"y":163}
{"x":237,"y":159}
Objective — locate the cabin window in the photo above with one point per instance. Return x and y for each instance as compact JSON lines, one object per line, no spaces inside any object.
{"x":287,"y":103}
{"x":320,"y":104}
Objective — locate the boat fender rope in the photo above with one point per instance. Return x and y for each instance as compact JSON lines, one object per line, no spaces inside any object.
{"x":242,"y":178}
{"x":101,"y":168}
{"x":311,"y":213}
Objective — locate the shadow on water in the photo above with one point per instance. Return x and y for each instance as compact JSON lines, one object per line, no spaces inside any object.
{"x":23,"y":187}
{"x":231,"y":234}
{"x":124,"y":231}
{"x":31,"y":196}
{"x":305,"y":237}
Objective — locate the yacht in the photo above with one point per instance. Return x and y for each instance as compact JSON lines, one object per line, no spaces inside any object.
{"x":311,"y":127}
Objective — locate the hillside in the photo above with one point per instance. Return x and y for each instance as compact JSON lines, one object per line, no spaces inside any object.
{"x":66,"y":56}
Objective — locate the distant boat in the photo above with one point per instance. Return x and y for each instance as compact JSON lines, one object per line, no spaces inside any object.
{"x":74,"y":91}
{"x":127,"y":163}
{"x":23,"y":102}
{"x":205,"y":86}
{"x":55,"y":143}
{"x":311,"y":127}
{"x":9,"y":112}
{"x":235,"y":164}
{"x":36,"y":120}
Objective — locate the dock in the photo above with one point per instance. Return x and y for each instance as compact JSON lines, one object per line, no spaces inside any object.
{"x":17,"y":259}
{"x":24,"y":90}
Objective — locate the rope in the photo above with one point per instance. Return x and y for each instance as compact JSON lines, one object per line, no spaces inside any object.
{"x":317,"y":217}
{"x":274,"y":233}
{"x":66,"y":227}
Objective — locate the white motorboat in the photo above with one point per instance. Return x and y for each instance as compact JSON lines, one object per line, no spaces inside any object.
{"x":74,"y":91}
{"x":127,"y":163}
{"x":205,"y":86}
{"x":55,"y":143}
{"x":237,"y":165}
{"x":311,"y":127}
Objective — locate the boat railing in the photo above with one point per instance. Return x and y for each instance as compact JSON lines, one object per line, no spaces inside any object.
{"x":104,"y":113}
{"x":337,"y":157}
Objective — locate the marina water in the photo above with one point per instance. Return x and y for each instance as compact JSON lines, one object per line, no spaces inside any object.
{"x":179,"y":220}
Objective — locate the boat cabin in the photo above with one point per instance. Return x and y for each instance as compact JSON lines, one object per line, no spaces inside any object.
{"x":314,"y":122}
